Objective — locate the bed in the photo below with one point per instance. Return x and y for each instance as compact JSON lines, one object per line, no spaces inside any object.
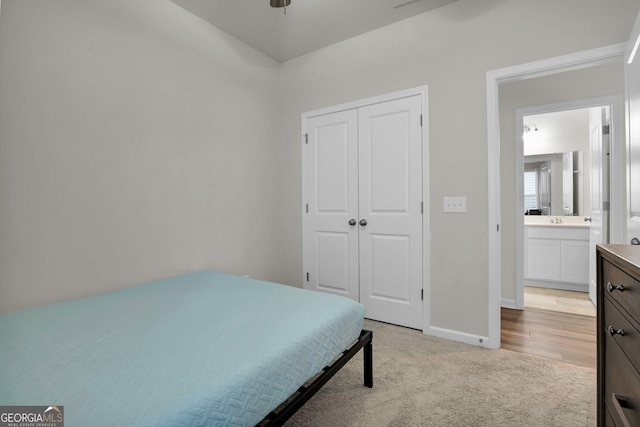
{"x":203,"y":349}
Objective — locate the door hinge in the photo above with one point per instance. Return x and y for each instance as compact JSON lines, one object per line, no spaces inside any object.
{"x":422,"y":294}
{"x":606,"y":206}
{"x":422,"y":207}
{"x":307,"y":277}
{"x":606,"y":130}
{"x":306,"y":138}
{"x":420,"y":119}
{"x":497,"y":227}
{"x":307,"y":207}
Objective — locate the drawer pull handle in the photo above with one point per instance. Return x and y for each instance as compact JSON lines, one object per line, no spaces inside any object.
{"x":613,"y":331}
{"x":611,"y":287}
{"x":620,"y":402}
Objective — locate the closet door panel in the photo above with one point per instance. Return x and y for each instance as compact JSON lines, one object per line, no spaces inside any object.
{"x":331,"y":201}
{"x":390,"y":196}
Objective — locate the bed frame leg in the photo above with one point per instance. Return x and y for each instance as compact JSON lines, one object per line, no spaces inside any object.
{"x":368,"y":364}
{"x":281,"y":414}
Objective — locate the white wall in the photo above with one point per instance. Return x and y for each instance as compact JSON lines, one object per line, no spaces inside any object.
{"x":558,"y":132}
{"x":136,"y":143}
{"x":450,"y":50}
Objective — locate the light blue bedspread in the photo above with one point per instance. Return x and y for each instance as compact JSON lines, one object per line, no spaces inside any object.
{"x":204,"y":349}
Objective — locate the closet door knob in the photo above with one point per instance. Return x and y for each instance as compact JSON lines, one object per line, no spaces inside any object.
{"x":363,"y":222}
{"x":352,"y":222}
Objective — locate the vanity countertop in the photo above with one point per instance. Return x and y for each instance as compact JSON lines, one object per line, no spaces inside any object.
{"x":565,"y":221}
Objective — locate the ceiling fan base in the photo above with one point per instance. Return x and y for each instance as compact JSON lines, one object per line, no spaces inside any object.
{"x":280,"y":3}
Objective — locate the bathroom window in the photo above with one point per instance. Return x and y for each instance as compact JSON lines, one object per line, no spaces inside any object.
{"x":530,"y":190}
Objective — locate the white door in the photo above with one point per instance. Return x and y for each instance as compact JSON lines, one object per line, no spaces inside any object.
{"x":390,"y":148}
{"x":599,"y":152}
{"x":632,"y":72}
{"x":331,"y":201}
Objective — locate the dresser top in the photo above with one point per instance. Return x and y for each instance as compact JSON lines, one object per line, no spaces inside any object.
{"x":627,"y":256}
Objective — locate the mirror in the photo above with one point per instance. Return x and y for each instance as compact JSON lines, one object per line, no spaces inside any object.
{"x":558,"y":142}
{"x":554,"y":184}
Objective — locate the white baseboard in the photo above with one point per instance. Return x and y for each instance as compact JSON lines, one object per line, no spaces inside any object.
{"x":557,"y":285}
{"x":464,"y":337}
{"x":509,"y":303}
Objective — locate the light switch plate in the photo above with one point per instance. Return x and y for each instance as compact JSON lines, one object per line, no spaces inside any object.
{"x":455,"y":204}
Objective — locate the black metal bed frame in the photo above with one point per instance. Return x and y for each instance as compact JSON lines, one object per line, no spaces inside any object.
{"x":281,"y":414}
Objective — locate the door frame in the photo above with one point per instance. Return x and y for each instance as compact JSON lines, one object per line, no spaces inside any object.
{"x":494,"y":78}
{"x":616,"y":172}
{"x":631,"y":58}
{"x":423,"y":91}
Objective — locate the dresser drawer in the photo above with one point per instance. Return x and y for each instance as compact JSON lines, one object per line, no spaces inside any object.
{"x":618,"y":268}
{"x":620,"y":331}
{"x":624,"y":289}
{"x":621,"y":387}
{"x":608,"y":421}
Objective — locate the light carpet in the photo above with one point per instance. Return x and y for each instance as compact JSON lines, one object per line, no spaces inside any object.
{"x":426,"y":381}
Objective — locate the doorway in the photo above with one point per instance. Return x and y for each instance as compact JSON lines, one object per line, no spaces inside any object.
{"x":499,"y":199}
{"x":556,"y":244}
{"x":563,"y":146}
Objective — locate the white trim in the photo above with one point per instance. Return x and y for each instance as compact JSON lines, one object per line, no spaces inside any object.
{"x":559,"y":64}
{"x":458,"y":336}
{"x":549,"y":66}
{"x":632,"y":55}
{"x":426,"y":216}
{"x":420,"y":90}
{"x":423,"y":91}
{"x":494,"y":245}
{"x":632,"y":218}
{"x":559,"y":285}
{"x":509,"y":303}
{"x":632,"y":48}
{"x":617,"y":163}
{"x":519,"y":179}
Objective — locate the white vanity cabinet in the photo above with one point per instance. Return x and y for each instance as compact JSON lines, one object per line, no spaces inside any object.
{"x":557,"y":256}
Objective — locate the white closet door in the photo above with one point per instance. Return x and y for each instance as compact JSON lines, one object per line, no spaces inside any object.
{"x":599,"y":149}
{"x":390,"y":195}
{"x":331,"y":199}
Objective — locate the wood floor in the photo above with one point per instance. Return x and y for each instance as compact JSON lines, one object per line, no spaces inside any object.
{"x":559,"y":300}
{"x":561,"y":336}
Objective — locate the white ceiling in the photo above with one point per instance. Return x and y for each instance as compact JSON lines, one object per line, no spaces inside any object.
{"x":308,"y":25}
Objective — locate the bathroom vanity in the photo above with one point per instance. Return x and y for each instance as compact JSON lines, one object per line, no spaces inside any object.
{"x":556,"y":253}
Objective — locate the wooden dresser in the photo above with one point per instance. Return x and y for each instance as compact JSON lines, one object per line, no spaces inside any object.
{"x":618,"y":335}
